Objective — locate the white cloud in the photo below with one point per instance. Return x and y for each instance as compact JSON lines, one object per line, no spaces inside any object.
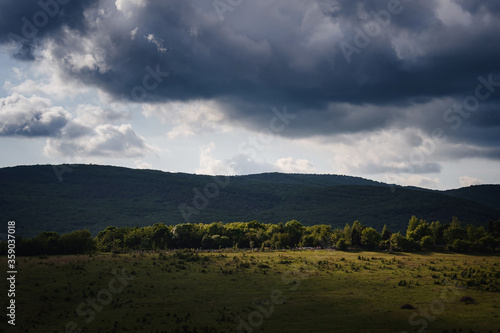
{"x":157,"y":42}
{"x":31,"y":116}
{"x":237,"y":165}
{"x":133,"y":33}
{"x":414,"y":180}
{"x":142,"y":165}
{"x":193,"y":32}
{"x":210,"y":165}
{"x":466,"y":181}
{"x":127,"y":6}
{"x":288,"y":164}
{"x":86,"y":52}
{"x":18,"y":73}
{"x":48,"y":76}
{"x":389,"y":151}
{"x":92,"y":115}
{"x":452,"y":14}
{"x":242,"y":164}
{"x":106,"y":141}
{"x":189,"y":118}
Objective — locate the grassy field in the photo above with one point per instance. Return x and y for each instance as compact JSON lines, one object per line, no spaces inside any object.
{"x":280,"y":291}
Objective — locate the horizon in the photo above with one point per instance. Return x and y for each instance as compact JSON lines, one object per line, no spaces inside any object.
{"x":250,"y":174}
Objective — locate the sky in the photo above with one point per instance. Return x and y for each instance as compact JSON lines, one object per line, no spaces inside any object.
{"x":404,"y":92}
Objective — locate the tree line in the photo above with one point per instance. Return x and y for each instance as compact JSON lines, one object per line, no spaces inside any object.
{"x":420,"y":235}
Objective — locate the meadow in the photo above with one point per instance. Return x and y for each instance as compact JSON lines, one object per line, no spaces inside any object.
{"x":258,"y":291}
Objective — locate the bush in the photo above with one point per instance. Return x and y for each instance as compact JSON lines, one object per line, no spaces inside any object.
{"x":402,"y":283}
{"x":460,"y":245}
{"x":187,"y":255}
{"x":427,"y":242}
{"x":370,"y":238}
{"x":467,"y":299}
{"x":341,"y":244}
{"x":401,"y":243}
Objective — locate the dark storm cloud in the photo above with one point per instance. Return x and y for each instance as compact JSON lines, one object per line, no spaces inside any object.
{"x":307,"y":55}
{"x":26,"y":22}
{"x":474,"y":6}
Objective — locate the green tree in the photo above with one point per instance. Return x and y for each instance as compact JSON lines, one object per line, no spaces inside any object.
{"x":402,"y":243}
{"x":422,"y":230}
{"x":237,"y":232}
{"x":386,"y":234}
{"x":307,"y":240}
{"x":341,"y":244}
{"x":75,"y":242}
{"x":161,"y":235}
{"x":454,"y":232}
{"x":294,"y":230}
{"x":417,"y":229}
{"x":255,"y":225}
{"x":412,"y":225}
{"x":494,"y":228}
{"x":30,"y":247}
{"x":486,"y":244}
{"x":347,"y":232}
{"x":427,"y":242}
{"x":111,"y":239}
{"x":215,"y":228}
{"x":279,"y":240}
{"x":370,"y":238}
{"x":320,"y":235}
{"x":186,"y":235}
{"x":437,"y":232}
{"x":132,"y":240}
{"x":460,"y":245}
{"x":475,"y":233}
{"x":356,"y":230}
{"x":49,"y":242}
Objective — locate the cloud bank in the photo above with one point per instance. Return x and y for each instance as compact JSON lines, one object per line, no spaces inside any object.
{"x":378,"y":69}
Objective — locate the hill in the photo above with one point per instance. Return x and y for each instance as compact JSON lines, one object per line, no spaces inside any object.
{"x":488,"y":195}
{"x":66,"y":198}
{"x":311,"y":179}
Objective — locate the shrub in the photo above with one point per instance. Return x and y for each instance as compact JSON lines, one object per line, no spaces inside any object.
{"x":341,"y":244}
{"x":467,"y":299}
{"x":460,"y":245}
{"x":427,"y":242}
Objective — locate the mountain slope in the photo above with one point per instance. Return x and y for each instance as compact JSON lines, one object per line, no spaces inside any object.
{"x":311,"y":179}
{"x":487,"y":195}
{"x":41,"y":198}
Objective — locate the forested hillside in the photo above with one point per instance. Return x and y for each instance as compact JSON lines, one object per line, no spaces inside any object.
{"x":67,"y":198}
